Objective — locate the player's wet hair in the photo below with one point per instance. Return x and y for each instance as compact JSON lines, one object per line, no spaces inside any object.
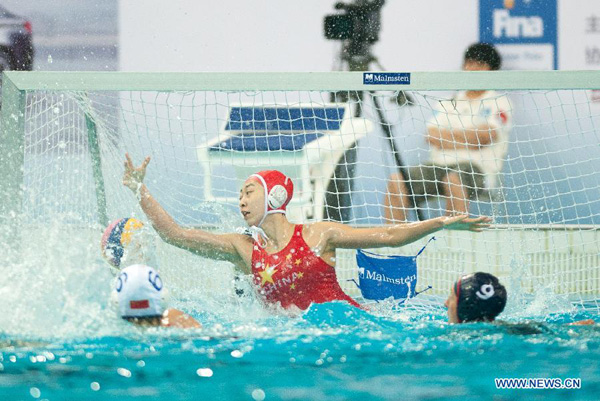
{"x":480,"y":297}
{"x":484,"y":53}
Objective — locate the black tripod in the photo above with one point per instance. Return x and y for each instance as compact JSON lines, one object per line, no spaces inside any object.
{"x":342,"y":183}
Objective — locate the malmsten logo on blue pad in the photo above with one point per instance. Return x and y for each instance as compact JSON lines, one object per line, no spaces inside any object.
{"x":384,"y":276}
{"x":386,"y":78}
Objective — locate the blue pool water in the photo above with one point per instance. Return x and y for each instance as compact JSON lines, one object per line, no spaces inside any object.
{"x":332,"y":352}
{"x":60,"y":339}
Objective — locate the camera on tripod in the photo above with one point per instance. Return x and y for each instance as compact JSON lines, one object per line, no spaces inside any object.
{"x":359,"y":24}
{"x":357,"y":27}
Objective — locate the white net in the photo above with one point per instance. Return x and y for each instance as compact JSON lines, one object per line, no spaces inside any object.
{"x":528,"y":158}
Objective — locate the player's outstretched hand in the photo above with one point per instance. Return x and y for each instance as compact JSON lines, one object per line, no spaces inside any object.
{"x":464,"y":222}
{"x":134,"y":176}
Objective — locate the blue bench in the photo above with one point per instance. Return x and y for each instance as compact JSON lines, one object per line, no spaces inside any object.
{"x":274,"y":120}
{"x":264,"y":142}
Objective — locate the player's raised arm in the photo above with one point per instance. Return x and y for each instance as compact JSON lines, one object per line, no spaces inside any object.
{"x":342,"y":236}
{"x":214,"y":246}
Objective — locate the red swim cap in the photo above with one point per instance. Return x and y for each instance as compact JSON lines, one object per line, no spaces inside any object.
{"x":278,"y":193}
{"x":278,"y":190}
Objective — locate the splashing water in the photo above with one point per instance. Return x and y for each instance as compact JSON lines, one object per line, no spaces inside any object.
{"x":59,"y":331}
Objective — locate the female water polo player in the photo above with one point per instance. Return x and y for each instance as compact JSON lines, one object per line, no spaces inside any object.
{"x":140,"y":293}
{"x":477,"y":297}
{"x":292,"y":265}
{"x":480,"y":297}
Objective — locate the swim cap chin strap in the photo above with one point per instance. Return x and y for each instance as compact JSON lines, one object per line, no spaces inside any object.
{"x":259,"y":235}
{"x":457,"y":293}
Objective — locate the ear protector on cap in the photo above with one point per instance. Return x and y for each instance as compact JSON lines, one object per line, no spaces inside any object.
{"x":277,"y":197}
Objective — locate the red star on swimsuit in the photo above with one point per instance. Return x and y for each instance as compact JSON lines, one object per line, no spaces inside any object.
{"x":295,"y":275}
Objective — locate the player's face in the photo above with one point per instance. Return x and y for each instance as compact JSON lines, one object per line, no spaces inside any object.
{"x":451,"y":304}
{"x":252,"y":202}
{"x":472,"y":65}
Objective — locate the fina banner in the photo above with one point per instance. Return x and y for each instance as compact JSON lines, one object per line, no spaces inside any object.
{"x":524,"y":31}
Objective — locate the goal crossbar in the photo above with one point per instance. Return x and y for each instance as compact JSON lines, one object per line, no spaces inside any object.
{"x":353,"y":81}
{"x":53,"y":123}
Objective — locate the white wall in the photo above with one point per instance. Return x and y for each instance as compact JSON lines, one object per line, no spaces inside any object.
{"x":228,"y":35}
{"x":577,"y":35}
{"x":285,"y":35}
{"x":276,"y":35}
{"x":427,"y":35}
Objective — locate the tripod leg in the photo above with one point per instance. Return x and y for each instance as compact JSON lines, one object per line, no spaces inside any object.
{"x":387,"y":129}
{"x":338,"y":196}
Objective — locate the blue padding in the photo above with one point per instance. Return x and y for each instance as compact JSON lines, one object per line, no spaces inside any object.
{"x":381,"y":277}
{"x":277,"y":119}
{"x":264,"y":142}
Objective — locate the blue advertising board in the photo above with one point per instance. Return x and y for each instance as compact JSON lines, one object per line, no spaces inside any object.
{"x":524,"y":31}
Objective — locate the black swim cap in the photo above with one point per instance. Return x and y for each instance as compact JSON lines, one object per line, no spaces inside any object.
{"x":480,"y":296}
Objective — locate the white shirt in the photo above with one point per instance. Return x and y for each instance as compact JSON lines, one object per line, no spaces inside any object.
{"x":490,"y":109}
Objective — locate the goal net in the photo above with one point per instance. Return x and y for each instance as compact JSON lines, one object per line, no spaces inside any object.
{"x":524,"y":147}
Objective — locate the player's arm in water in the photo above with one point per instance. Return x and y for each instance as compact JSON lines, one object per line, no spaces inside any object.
{"x":339,"y":235}
{"x":585,"y":322}
{"x":229,"y":247}
{"x":176,"y":318}
{"x":170,"y":318}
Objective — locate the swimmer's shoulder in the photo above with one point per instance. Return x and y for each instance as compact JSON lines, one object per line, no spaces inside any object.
{"x":535,"y":327}
{"x":319,"y":228}
{"x":521,"y":328}
{"x":243,"y":238}
{"x":313,"y":233}
{"x":175,"y":318}
{"x":586,"y":322}
{"x":243,"y":244}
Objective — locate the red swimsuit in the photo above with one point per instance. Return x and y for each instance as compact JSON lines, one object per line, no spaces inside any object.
{"x":295,"y":275}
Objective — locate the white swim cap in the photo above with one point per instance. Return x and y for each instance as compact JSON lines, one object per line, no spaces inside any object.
{"x":140,"y":292}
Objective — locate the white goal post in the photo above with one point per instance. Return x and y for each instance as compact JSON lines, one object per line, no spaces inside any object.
{"x":64,"y":135}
